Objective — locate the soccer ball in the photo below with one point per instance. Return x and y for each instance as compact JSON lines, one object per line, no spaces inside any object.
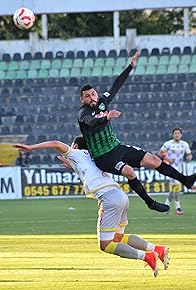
{"x":23,"y":18}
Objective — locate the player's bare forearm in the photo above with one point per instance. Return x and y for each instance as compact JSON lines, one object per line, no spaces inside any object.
{"x":189,"y":157}
{"x":113,"y":114}
{"x":134,"y":58}
{"x":64,"y":162}
{"x":56,"y":145}
{"x":119,"y":81}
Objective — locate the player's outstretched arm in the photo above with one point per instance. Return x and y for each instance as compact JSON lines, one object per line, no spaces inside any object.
{"x":134,"y":58}
{"x":119,"y":81}
{"x":56,"y":145}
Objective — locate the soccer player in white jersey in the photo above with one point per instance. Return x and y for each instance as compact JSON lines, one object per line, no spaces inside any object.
{"x":113,"y":205}
{"x":173,"y":152}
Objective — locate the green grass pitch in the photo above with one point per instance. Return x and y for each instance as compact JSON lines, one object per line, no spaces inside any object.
{"x":51,"y":244}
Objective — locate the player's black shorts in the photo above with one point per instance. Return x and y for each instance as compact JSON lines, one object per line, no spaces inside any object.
{"x":115,"y":160}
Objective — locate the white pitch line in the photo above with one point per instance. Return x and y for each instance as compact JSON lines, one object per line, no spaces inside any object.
{"x":79,"y":220}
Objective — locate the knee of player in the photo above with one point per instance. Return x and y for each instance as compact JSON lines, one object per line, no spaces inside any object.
{"x":128,"y":172}
{"x":103,"y":245}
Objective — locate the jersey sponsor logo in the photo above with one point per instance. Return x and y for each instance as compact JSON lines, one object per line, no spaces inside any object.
{"x":119,"y":165}
{"x":106,"y":94}
{"x":102,"y":107}
{"x":101,"y":114}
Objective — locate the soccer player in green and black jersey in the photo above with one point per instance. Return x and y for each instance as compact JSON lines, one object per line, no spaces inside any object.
{"x":108,"y":152}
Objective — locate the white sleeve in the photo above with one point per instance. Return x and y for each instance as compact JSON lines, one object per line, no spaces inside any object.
{"x":165,"y":146}
{"x":187,"y":148}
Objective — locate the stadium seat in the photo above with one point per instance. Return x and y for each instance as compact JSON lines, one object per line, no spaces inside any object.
{"x":75,"y":72}
{"x":89,"y":62}
{"x":123,"y":53}
{"x":78,"y":62}
{"x":56,"y":64}
{"x":97,"y":71}
{"x":164,"y":59}
{"x":151,"y":69}
{"x":13,"y":65}
{"x":3,"y":66}
{"x":53,"y":73}
{"x":155,"y":51}
{"x":27,"y":56}
{"x":187,"y":50}
{"x":24,"y":65}
{"x":172,"y":69}
{"x":141,"y":61}
{"x":35,"y":64}
{"x":21,"y":74}
{"x":45,"y":64}
{"x":67,"y":63}
{"x":59,"y":54}
{"x":144,"y":52}
{"x":99,"y":62}
{"x":161,"y":69}
{"x":47,"y":159}
{"x":185,"y":59}
{"x":112,"y":53}
{"x":140,"y":70}
{"x":192,"y":68}
{"x":5,"y":92}
{"x":70,"y":54}
{"x":176,"y":51}
{"x":102,"y":53}
{"x":32,"y":74}
{"x":91,"y":54}
{"x":49,"y":55}
{"x":80,"y":54}
{"x":117,"y":70}
{"x":11,"y":75}
{"x":110,"y":62}
{"x":183,"y":68}
{"x":132,"y":52}
{"x":38,"y":55}
{"x":121,"y":61}
{"x":86,"y":72}
{"x":165,"y":51}
{"x":64,"y":73}
{"x":6,"y":57}
{"x":175,"y":59}
{"x":43,"y":73}
{"x":17,"y":56}
{"x":107,"y":71}
{"x":153,"y":60}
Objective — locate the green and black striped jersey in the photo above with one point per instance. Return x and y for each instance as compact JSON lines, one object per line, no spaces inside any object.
{"x":95,"y":128}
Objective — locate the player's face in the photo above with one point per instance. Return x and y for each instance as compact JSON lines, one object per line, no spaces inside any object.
{"x":90,"y":98}
{"x":177,"y":135}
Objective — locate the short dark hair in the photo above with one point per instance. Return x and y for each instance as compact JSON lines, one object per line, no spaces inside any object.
{"x":176,"y":129}
{"x":85,"y":88}
{"x":79,"y":140}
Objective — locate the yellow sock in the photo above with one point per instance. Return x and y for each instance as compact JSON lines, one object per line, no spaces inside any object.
{"x":125,"y":239}
{"x":110,"y":249}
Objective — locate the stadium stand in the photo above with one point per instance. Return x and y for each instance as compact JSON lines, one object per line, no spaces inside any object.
{"x":39,"y":95}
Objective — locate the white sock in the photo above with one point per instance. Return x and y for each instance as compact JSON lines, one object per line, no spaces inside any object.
{"x":177,"y":204}
{"x":150,"y":246}
{"x":141,"y":254}
{"x":167,"y":202}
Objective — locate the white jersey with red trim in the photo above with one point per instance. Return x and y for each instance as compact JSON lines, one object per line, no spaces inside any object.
{"x":176,"y":151}
{"x":95,"y":181}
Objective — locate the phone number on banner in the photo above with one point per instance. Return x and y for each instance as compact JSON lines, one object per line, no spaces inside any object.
{"x":52,"y":190}
{"x":155,"y":187}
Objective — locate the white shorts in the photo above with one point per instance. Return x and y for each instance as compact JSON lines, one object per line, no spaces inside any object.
{"x":113,"y":211}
